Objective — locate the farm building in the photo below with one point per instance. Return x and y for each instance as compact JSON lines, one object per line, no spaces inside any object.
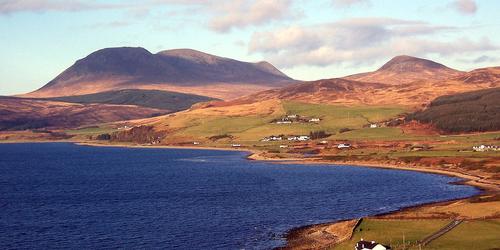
{"x":343,"y":145}
{"x":299,"y":138}
{"x":483,"y":148}
{"x":370,"y":245}
{"x":272,"y":138}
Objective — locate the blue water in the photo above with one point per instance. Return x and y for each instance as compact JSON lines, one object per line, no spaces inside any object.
{"x":58,"y":195}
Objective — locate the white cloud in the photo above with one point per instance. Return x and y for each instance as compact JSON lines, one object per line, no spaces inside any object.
{"x":360,"y":41}
{"x":12,"y":6}
{"x":467,"y":7}
{"x":224,"y":15}
{"x":348,"y":3}
{"x":243,"y":13}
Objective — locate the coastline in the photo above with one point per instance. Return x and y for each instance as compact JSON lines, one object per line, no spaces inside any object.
{"x":304,"y":233}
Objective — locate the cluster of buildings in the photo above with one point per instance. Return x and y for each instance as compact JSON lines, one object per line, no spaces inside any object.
{"x":290,"y":138}
{"x":288,"y":119}
{"x":484,"y":148}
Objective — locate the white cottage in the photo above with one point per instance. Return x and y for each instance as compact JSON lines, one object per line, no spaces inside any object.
{"x":370,"y":245}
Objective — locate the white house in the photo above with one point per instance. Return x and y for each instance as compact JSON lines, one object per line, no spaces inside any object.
{"x":370,"y":245}
{"x":283,"y":122}
{"x":373,"y":125}
{"x":283,"y":146}
{"x":314,"y":120}
{"x":323,"y":142}
{"x":343,"y":145}
{"x":299,"y":138}
{"x":292,"y":116}
{"x":272,"y":138}
{"x":235,"y":145}
{"x":483,"y":148}
{"x":304,"y":138}
{"x":196,"y":143}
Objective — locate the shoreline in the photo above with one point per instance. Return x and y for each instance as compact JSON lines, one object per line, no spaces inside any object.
{"x":298,"y":234}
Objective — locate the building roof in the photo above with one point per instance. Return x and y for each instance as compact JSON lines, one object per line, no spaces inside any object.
{"x":363,"y":244}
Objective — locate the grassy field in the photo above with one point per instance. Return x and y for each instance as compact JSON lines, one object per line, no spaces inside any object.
{"x":93,"y":130}
{"x":469,"y":235}
{"x":255,"y":127}
{"x":393,"y":232}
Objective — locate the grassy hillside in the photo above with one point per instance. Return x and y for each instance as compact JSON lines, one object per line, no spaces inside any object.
{"x":166,"y":100}
{"x":468,"y":235}
{"x":467,"y":112}
{"x":205,"y":123}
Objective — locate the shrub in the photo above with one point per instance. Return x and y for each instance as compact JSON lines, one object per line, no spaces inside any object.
{"x":103,"y":137}
{"x":318,"y":134}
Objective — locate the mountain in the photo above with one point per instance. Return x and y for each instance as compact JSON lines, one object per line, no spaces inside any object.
{"x":171,"y":101}
{"x":336,"y":90}
{"x":24,"y":113}
{"x":489,"y":75}
{"x":406,"y":69}
{"x":404,"y":80}
{"x":465,"y":112}
{"x":180,"y":70}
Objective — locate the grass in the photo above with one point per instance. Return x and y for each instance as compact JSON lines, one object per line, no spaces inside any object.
{"x":476,"y":234}
{"x":392,"y":232}
{"x":370,"y":134}
{"x":335,"y":117}
{"x":90,"y":130}
{"x":253,"y":128}
{"x":470,"y":235}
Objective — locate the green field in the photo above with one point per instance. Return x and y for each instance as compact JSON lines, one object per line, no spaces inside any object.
{"x":94,"y":130}
{"x":393,"y":232}
{"x":253,"y":128}
{"x":468,"y":235}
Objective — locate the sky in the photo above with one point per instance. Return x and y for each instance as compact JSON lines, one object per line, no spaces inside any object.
{"x":307,"y":40}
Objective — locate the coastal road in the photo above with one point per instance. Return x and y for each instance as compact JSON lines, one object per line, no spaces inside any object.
{"x":440,"y":232}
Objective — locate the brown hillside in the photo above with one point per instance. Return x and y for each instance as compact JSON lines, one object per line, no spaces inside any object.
{"x":407,"y":69}
{"x":20,"y":113}
{"x":489,"y":75}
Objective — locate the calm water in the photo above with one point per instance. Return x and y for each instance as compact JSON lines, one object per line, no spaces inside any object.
{"x":57,"y":195}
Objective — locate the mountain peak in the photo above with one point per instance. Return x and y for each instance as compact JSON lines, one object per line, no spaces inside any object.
{"x":192,"y":70}
{"x":192,"y":55}
{"x":404,"y":63}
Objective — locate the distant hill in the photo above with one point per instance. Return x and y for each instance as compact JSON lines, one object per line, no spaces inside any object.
{"x":474,"y":111}
{"x":489,"y":75}
{"x":336,"y":90}
{"x":404,"y":80}
{"x":406,"y":69}
{"x":171,"y":101}
{"x":180,"y":70}
{"x":23,"y":113}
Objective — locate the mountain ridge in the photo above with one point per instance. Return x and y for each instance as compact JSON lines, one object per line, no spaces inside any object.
{"x":405,"y":69}
{"x":175,"y":70}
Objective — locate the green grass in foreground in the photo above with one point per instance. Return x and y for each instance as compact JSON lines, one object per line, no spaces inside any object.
{"x":469,"y":235}
{"x":391,"y":232}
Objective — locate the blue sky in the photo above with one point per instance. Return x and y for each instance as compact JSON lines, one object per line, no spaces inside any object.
{"x":305,"y":39}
